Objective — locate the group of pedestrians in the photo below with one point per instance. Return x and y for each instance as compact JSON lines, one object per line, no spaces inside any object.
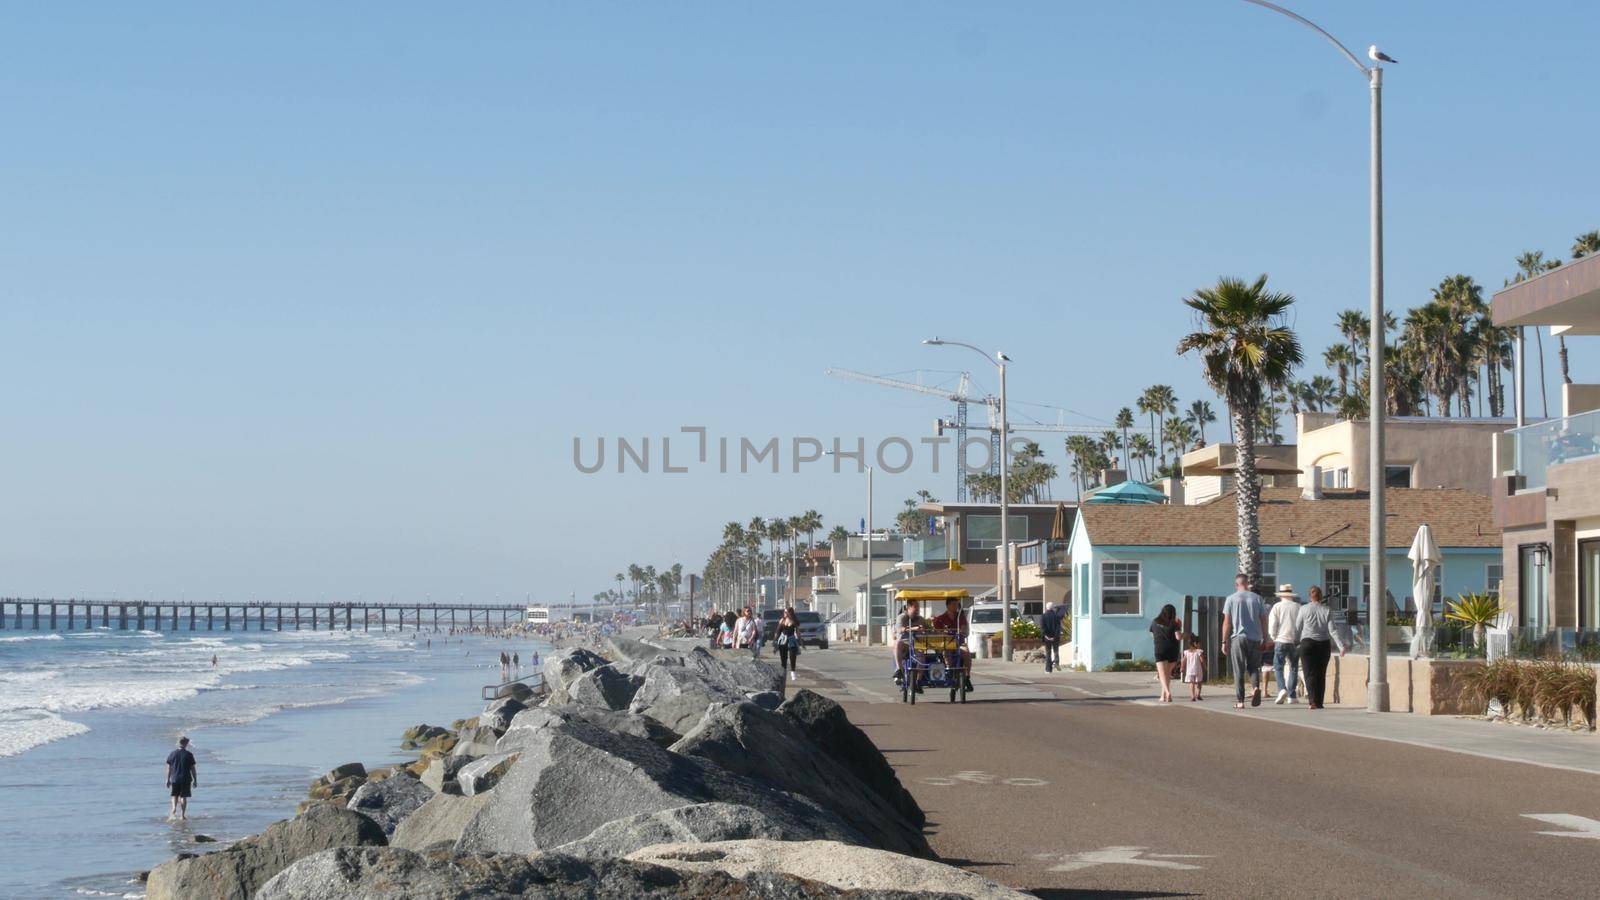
{"x":743,"y":630}
{"x":1300,"y":636}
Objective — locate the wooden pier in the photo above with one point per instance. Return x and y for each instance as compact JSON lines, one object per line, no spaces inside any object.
{"x":123,"y":615}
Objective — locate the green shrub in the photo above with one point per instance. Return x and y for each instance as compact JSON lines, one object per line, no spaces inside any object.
{"x":1131,"y":665}
{"x":1023,"y":628}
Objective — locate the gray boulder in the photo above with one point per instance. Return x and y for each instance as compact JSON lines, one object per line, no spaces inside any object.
{"x":825,"y":723}
{"x":748,"y":740}
{"x":391,"y":873}
{"x":239,"y":871}
{"x":517,"y":691}
{"x":475,"y":741}
{"x":390,"y":800}
{"x":499,"y":713}
{"x":484,"y":773}
{"x":766,"y":699}
{"x":564,"y":667}
{"x":603,"y":687}
{"x":684,"y":824}
{"x":440,"y":775}
{"x":417,"y":735}
{"x":839,"y":865}
{"x":678,"y":697}
{"x":573,"y":777}
{"x":612,"y":720}
{"x":438,"y":822}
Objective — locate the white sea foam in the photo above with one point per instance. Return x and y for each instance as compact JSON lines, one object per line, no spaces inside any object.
{"x":21,"y":731}
{"x":30,"y":637}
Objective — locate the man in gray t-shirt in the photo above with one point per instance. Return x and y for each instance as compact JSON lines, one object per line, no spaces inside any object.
{"x":1244,"y":624}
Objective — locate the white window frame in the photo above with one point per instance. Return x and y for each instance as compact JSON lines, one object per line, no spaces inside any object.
{"x":1138,"y":588}
{"x":1492,"y":581}
{"x":1411,"y":473}
{"x":1336,"y":478}
{"x":1263,"y":588}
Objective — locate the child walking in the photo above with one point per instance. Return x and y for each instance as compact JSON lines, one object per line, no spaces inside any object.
{"x":1194,"y":668}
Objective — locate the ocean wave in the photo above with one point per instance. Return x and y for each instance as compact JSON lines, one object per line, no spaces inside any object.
{"x":22,"y":731}
{"x":30,"y":637}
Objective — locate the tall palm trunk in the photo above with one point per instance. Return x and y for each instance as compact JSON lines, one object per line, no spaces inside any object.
{"x":1566,"y":374}
{"x":1247,"y":491}
{"x":1544,"y":397}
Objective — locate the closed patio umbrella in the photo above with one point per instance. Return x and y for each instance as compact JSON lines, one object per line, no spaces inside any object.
{"x":1425,"y":562}
{"x":1058,"y":527}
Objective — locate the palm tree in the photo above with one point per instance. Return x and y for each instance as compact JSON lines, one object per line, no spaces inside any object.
{"x":1111,"y":442}
{"x":1354,"y":326}
{"x":1339,"y":358}
{"x":1243,"y":344}
{"x":1147,"y":404}
{"x":1531,"y":263}
{"x":839,"y":533}
{"x":1123,"y":422}
{"x":1079,"y":447}
{"x":811,"y":521}
{"x":1321,"y":392}
{"x":1159,"y":401}
{"x":1201,"y":415}
{"x":1179,"y":435}
{"x":1141,"y":450}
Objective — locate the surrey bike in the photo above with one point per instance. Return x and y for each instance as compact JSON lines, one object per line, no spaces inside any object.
{"x":935,"y":657}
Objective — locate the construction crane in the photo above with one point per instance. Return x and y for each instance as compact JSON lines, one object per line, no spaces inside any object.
{"x":961,"y":396}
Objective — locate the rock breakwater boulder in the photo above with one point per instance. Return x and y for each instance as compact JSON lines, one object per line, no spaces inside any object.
{"x":437,"y":823}
{"x":683,"y":824}
{"x":563,"y":667}
{"x":841,"y":866}
{"x":573,"y":777}
{"x":826,"y":724}
{"x":392,"y":873}
{"x":388,"y":801}
{"x":603,"y":687}
{"x":747,"y":740}
{"x":239,"y":871}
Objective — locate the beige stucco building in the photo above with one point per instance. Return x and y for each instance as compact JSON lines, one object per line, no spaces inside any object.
{"x":1419,"y":452}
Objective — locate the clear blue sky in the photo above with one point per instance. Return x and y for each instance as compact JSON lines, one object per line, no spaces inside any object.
{"x":313,"y":299}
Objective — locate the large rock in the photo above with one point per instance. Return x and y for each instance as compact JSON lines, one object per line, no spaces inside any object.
{"x":684,"y":824}
{"x":748,"y":740}
{"x":239,"y":871}
{"x":612,"y":720}
{"x":440,"y":775}
{"x":390,"y":800}
{"x":391,"y":873}
{"x":826,"y":724}
{"x":677,"y":691}
{"x":517,"y":691}
{"x":840,"y":865}
{"x":484,"y":773}
{"x":604,"y":687}
{"x":475,"y":741}
{"x":439,"y":822}
{"x":564,"y":667}
{"x":417,"y":735}
{"x":573,"y":777}
{"x":499,"y":713}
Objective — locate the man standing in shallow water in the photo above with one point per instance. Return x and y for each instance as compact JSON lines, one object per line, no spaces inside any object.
{"x":182,"y":777}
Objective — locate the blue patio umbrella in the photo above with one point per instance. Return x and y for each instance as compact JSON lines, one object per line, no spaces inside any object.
{"x":1128,"y":492}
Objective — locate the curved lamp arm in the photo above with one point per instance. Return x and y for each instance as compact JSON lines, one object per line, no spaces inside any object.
{"x":1314,"y":27}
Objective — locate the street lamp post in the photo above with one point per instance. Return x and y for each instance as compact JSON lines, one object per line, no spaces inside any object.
{"x":1003,"y":554}
{"x":1378,"y":665}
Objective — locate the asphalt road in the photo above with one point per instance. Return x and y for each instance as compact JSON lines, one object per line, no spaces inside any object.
{"x":1048,"y":789}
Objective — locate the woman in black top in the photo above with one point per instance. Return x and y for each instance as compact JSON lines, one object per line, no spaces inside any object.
{"x":788,"y":640}
{"x":1166,"y":629}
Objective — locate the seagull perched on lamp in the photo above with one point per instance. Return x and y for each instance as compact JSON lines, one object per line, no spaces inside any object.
{"x":1376,"y":55}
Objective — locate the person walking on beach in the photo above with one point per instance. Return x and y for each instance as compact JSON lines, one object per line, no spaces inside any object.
{"x":1168,"y":646}
{"x":1050,"y":634}
{"x":788,"y":641}
{"x":1314,"y":623}
{"x":516,"y":664}
{"x":1244,"y":624}
{"x":182,"y":778}
{"x":1284,"y":632}
{"x":1194,"y":668}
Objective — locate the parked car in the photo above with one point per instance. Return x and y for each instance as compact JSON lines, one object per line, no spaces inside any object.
{"x":812,"y":629}
{"x":985,"y":618}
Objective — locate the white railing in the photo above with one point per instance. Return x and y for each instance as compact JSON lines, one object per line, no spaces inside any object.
{"x":824,"y":584}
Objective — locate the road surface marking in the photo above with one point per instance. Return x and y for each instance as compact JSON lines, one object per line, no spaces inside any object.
{"x":1581,"y":826}
{"x":1120,"y":856}
{"x":978,"y":777}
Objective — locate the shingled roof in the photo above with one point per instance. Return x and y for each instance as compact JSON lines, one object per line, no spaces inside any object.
{"x":1459,"y":518}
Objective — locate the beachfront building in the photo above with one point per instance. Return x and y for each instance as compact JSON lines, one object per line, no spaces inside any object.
{"x":1129,"y":560}
{"x":843,"y":596}
{"x":1547,"y":474}
{"x":1418,"y":451}
{"x":1208,"y":472}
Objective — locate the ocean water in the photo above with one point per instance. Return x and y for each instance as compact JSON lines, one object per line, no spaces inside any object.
{"x":88,"y":717}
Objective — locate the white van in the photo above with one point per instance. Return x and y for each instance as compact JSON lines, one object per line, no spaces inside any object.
{"x":985,"y":618}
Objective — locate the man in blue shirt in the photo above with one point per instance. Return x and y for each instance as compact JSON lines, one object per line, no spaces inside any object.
{"x":182,"y":778}
{"x":1244,"y":625}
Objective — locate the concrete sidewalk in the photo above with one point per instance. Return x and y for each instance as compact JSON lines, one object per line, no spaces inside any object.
{"x":997,"y":679}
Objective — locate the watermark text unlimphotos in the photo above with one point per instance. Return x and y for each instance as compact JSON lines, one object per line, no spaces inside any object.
{"x":694,"y":449}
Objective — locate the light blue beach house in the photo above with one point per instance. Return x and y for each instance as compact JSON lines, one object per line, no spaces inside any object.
{"x":1129,"y":560}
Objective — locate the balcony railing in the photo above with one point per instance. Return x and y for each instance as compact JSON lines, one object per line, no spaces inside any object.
{"x":1050,"y":556}
{"x":824,"y":584}
{"x":1531,"y":450}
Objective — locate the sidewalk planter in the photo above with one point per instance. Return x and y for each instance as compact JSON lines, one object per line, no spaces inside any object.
{"x":1017,"y":645}
{"x":1429,"y":687}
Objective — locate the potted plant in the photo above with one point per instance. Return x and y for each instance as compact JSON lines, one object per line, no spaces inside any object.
{"x":1477,"y":611}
